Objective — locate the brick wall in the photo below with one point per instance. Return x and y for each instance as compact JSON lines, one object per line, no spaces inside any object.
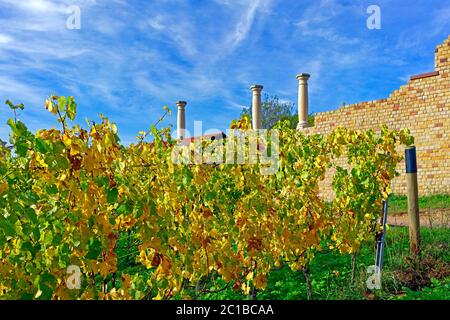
{"x":423,"y":106}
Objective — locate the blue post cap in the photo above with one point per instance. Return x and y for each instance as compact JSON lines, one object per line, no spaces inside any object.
{"x":411,"y":160}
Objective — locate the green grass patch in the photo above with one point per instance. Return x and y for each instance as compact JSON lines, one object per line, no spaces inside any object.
{"x":399,"y":203}
{"x":331,"y":272}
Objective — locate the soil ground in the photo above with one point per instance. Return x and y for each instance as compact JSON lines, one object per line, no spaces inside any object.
{"x":428,"y":218}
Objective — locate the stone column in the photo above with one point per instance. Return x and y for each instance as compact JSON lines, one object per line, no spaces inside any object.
{"x":302,"y":100}
{"x":256,"y":107}
{"x":181,"y":121}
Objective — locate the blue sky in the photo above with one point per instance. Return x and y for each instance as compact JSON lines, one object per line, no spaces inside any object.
{"x":130,"y":58}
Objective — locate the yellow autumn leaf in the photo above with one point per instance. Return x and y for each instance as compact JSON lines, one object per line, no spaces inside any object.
{"x":50,"y":106}
{"x":3,"y":187}
{"x":261,"y":281}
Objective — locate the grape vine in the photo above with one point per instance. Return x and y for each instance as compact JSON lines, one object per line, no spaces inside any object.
{"x":67,"y":195}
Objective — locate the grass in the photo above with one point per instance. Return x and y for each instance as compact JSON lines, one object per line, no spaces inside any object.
{"x":331,"y":273}
{"x":403,"y":278}
{"x":439,"y":290}
{"x":399,"y":203}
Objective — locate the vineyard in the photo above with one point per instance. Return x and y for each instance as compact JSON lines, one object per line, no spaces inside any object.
{"x":75,"y":196}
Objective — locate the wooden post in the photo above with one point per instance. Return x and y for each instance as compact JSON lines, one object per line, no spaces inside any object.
{"x":413,"y":200}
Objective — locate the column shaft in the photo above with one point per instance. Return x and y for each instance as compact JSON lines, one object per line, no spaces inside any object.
{"x":181,"y":120}
{"x":256,"y":107}
{"x":303,"y":100}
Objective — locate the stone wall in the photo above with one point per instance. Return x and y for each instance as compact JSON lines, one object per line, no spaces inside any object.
{"x":423,"y":106}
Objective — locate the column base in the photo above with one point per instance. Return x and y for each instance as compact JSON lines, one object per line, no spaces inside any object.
{"x":302,"y":124}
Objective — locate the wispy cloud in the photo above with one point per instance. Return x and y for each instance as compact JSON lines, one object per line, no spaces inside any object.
{"x":245,"y":23}
{"x":36,"y":6}
{"x":321,"y":19}
{"x":4,"y":39}
{"x":14,"y":88}
{"x":132,"y":57}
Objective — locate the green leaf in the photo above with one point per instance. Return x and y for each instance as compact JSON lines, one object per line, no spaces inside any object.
{"x":102,"y":181}
{"x":11,"y":124}
{"x":154,"y":130}
{"x":10,"y":104}
{"x":18,"y":128}
{"x":40,"y":145}
{"x":57,"y":238}
{"x":94,"y":249}
{"x":112,"y":195}
{"x":28,"y":246}
{"x":47,"y":284}
{"x":125,"y":208}
{"x":21,"y":148}
{"x":62,"y":102}
{"x":48,"y":238}
{"x":31,"y":215}
{"x":51,"y":189}
{"x":71,"y":108}
{"x":8,"y":228}
{"x":62,"y":162}
{"x":15,"y":107}
{"x":84,"y":185}
{"x":26,"y":296}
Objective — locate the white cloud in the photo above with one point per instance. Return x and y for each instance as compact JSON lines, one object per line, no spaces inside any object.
{"x":247,"y":19}
{"x":245,"y":23}
{"x":130,"y":59}
{"x":36,"y":6}
{"x":43,"y":49}
{"x":286,"y":101}
{"x":4,"y":39}
{"x":10,"y":87}
{"x":234,"y":106}
{"x":441,"y":20}
{"x":157,"y":23}
{"x":320,"y":20}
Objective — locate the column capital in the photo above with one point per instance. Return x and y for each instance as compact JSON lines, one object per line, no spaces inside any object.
{"x":303,"y":76}
{"x":256,"y":87}
{"x":181,"y":104}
